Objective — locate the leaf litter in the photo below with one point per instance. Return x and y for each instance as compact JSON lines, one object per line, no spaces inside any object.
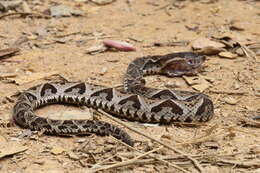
{"x":230,"y":141}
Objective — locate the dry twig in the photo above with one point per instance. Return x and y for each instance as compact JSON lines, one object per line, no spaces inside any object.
{"x":194,"y":161}
{"x":128,"y":162}
{"x":250,"y":122}
{"x":24,"y":14}
{"x":154,"y":157}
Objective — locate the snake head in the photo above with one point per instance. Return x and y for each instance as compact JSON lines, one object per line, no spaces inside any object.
{"x":186,"y":64}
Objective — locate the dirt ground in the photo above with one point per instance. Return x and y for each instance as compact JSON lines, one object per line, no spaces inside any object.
{"x":56,"y":48}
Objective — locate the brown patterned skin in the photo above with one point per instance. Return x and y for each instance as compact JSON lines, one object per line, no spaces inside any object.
{"x":137,"y":102}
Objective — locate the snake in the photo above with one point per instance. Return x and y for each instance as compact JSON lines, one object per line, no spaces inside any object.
{"x":134,"y":101}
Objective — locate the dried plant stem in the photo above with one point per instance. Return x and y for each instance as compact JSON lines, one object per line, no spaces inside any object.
{"x":194,"y":161}
{"x":128,"y":162}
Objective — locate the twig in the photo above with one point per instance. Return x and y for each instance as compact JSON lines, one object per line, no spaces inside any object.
{"x":194,"y":161}
{"x":202,"y":139}
{"x":152,"y":161}
{"x":241,"y":163}
{"x":125,"y":163}
{"x":24,"y":14}
{"x":250,"y":122}
{"x":156,"y":158}
{"x":247,"y":51}
{"x":8,"y":52}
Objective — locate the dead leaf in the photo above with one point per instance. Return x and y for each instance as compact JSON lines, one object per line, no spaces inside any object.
{"x":11,"y":148}
{"x":228,"y":55}
{"x":119,"y":45}
{"x":202,"y":43}
{"x":32,"y":77}
{"x":96,"y":49}
{"x":192,"y":80}
{"x":210,"y":50}
{"x":197,"y":83}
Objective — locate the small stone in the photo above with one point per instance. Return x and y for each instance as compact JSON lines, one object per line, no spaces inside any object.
{"x":103,"y":70}
{"x":236,"y":85}
{"x":257,"y":92}
{"x":230,"y":100}
{"x":228,"y":55}
{"x":57,"y":150}
{"x":64,"y":11}
{"x":102,"y":2}
{"x":207,"y":78}
{"x":96,"y":49}
{"x":73,"y":156}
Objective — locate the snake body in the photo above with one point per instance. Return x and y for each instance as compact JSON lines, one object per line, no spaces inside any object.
{"x":135,"y":102}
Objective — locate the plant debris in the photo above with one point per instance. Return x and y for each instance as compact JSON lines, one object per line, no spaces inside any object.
{"x":55,"y":44}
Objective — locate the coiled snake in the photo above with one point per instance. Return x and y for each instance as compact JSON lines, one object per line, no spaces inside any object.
{"x":136,"y":102}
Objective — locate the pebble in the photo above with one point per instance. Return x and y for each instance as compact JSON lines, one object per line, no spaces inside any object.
{"x":57,"y":150}
{"x":73,"y":156}
{"x":103,"y":70}
{"x":64,"y":11}
{"x":257,"y":92}
{"x":236,"y":85}
{"x":96,"y":49}
{"x":228,"y":55}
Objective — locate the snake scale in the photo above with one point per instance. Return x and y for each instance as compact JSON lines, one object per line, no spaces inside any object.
{"x":134,"y":102}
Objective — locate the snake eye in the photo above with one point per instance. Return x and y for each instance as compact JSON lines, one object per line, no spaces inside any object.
{"x":195,"y":62}
{"x":190,"y":62}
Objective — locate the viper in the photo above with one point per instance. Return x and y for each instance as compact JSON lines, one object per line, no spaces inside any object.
{"x":135,"y":102}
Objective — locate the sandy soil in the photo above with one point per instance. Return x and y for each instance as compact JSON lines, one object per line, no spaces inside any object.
{"x":56,"y":48}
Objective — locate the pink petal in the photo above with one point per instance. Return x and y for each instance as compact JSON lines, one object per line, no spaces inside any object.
{"x":120,"y":45}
